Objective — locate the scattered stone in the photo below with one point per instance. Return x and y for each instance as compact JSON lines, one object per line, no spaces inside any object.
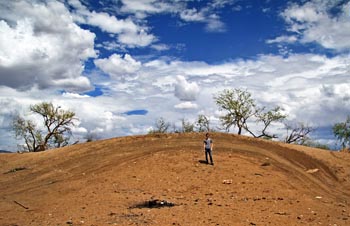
{"x":227,"y":181}
{"x":154,"y":203}
{"x":318,"y":197}
{"x":266,"y":164}
{"x":281,"y":213}
{"x":15,"y":170}
{"x":312,"y":170}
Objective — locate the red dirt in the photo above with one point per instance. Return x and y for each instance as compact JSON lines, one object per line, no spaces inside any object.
{"x":253,"y":182}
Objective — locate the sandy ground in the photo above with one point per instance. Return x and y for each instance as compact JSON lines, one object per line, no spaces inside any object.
{"x":111,"y":182}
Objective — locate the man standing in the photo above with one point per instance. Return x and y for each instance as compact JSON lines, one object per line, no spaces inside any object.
{"x":208,"y":148}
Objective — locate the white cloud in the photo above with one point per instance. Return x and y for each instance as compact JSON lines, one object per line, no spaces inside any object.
{"x":111,"y":24}
{"x":283,"y":38}
{"x":118,"y":66}
{"x":136,"y":39}
{"x":128,"y":31}
{"x":207,"y":13}
{"x":160,"y":47}
{"x":313,"y":23}
{"x":186,"y":105}
{"x":41,"y":46}
{"x":186,"y":91}
{"x":192,"y":15}
{"x":74,"y":95}
{"x":311,"y":88}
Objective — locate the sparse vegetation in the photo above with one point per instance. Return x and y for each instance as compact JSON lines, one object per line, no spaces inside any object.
{"x":56,"y":130}
{"x":161,"y":126}
{"x":342,"y":132}
{"x":267,"y":117}
{"x":187,"y":127}
{"x":240,"y":107}
{"x":297,"y":133}
{"x":203,"y":123}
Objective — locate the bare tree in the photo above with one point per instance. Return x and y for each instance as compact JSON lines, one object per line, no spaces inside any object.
{"x":267,"y":117}
{"x":203,"y":123}
{"x":161,"y":126}
{"x":57,"y":127}
{"x":297,"y":134}
{"x":187,"y":127}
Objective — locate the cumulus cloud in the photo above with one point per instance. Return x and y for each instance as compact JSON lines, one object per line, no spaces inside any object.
{"x":128,"y":31}
{"x":311,"y":88}
{"x":184,"y":90}
{"x":207,"y":14}
{"x":314,"y":22}
{"x":142,"y":8}
{"x":118,"y":66}
{"x":41,"y":46}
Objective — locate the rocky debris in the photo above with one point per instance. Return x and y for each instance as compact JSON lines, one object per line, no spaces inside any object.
{"x":312,"y":170}
{"x":227,"y":181}
{"x":15,"y":170}
{"x":154,"y":203}
{"x":266,"y":164}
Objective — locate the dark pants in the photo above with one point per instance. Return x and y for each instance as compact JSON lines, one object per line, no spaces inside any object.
{"x":208,"y":152}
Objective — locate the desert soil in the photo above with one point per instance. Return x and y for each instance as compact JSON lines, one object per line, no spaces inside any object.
{"x":115,"y":181}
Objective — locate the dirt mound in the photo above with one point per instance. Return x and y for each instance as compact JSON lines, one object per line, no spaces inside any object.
{"x":113,"y":182}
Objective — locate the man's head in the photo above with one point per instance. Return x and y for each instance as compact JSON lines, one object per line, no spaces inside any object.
{"x":207,"y":135}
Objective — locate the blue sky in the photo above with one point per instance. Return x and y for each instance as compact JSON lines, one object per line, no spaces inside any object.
{"x":122,"y":64}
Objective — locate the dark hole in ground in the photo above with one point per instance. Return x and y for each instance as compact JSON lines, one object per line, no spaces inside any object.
{"x":154,"y":203}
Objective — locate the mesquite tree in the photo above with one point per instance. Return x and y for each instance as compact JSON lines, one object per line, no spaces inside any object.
{"x":55,"y":132}
{"x":239,"y":107}
{"x":342,"y":132}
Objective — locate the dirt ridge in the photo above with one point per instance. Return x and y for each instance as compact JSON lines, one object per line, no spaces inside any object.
{"x":253,"y":182}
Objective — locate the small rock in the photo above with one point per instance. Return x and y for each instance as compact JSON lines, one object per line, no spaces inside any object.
{"x":312,"y":170}
{"x":265,"y":164}
{"x":281,"y":213}
{"x":227,"y":181}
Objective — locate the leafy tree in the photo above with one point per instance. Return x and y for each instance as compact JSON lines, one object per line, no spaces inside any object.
{"x":267,"y":117}
{"x":342,"y":132}
{"x":239,"y":107}
{"x":297,"y":134}
{"x":187,"y":127}
{"x":57,"y":127}
{"x":161,"y":126}
{"x":203,"y":123}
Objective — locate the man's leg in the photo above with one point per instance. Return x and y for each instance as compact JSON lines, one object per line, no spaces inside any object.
{"x":206,"y":155}
{"x":211,"y":157}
